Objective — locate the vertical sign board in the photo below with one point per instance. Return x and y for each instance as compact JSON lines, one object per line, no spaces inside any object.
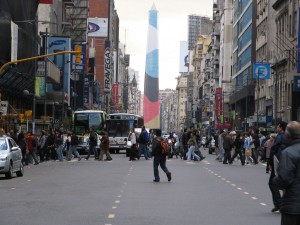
{"x":14,"y":41}
{"x":298,"y":52}
{"x":218,"y":104}
{"x":115,"y":94}
{"x":86,"y":92}
{"x":107,"y":69}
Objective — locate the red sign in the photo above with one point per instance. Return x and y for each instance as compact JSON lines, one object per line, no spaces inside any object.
{"x":218,"y":103}
{"x":115,"y":96}
{"x":46,"y":1}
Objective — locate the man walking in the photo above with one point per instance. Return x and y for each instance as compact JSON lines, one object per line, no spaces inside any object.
{"x":92,"y":144}
{"x":159,"y":158}
{"x":227,"y":145}
{"x":73,"y":147}
{"x":143,"y":141}
{"x":288,"y":177}
{"x":276,"y":149}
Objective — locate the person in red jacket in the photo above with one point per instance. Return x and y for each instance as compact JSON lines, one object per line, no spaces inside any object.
{"x":31,"y":146}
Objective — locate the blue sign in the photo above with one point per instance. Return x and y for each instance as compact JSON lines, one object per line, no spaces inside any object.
{"x":296,"y":84}
{"x":261,"y":71}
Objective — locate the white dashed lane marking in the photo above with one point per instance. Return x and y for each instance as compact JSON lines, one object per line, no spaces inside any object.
{"x":234,"y":185}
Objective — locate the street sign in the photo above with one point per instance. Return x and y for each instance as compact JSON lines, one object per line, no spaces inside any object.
{"x":261,"y":70}
{"x":296,"y":84}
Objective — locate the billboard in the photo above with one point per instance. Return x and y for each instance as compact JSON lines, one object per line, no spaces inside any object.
{"x":184,"y":55}
{"x":97,"y":27}
{"x":57,"y":44}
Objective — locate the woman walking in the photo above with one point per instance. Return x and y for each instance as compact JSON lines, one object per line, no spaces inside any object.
{"x":133,"y":149}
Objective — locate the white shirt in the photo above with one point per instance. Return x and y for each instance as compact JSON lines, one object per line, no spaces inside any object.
{"x":133,"y":138}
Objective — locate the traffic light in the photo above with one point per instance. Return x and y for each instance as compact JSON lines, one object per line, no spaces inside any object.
{"x":78,"y":49}
{"x":21,"y":117}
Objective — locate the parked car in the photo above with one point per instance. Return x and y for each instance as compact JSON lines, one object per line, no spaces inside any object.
{"x":10,"y":158}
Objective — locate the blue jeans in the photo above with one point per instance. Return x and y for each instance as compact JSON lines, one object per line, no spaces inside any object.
{"x":143,"y":150}
{"x":191,"y":153}
{"x":159,"y":160}
{"x":73,"y":149}
{"x":221,"y":154}
{"x":59,"y":151}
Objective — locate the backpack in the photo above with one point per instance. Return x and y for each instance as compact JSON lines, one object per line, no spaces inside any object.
{"x":164,"y":146}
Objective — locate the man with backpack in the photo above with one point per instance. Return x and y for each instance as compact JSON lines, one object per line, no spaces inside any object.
{"x":73,"y":146}
{"x":160,"y":152}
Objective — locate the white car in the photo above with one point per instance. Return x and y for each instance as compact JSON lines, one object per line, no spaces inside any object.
{"x":10,"y":158}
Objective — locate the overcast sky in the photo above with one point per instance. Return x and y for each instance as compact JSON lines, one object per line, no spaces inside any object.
{"x":172,"y":23}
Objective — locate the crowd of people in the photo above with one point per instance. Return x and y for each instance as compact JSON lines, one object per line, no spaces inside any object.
{"x":57,"y":145}
{"x":279,"y":150}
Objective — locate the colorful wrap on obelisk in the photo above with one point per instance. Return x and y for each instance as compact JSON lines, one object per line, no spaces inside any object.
{"x":151,"y":83}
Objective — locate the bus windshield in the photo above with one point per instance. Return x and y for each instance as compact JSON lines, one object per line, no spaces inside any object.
{"x":83,"y":121}
{"x":119,"y":128}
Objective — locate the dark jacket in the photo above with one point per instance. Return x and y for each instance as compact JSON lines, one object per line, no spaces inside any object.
{"x":93,"y":139}
{"x":278,"y":145}
{"x":184,"y":138}
{"x":228,"y":143}
{"x":288,"y":178}
{"x":238,"y":143}
{"x":144,"y":137}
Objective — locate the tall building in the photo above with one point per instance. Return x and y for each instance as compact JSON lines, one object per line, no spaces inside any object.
{"x":244,"y":53}
{"x":197,"y":25}
{"x":151,"y":100}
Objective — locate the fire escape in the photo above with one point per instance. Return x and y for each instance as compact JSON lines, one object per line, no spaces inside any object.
{"x":75,"y":20}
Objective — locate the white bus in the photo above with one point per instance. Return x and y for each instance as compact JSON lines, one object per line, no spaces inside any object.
{"x":86,"y":119}
{"x":118,"y":126}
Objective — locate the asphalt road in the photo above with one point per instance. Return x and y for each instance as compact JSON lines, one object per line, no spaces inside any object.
{"x":121,"y":192}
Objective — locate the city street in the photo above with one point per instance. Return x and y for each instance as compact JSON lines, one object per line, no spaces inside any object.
{"x":121,"y":192}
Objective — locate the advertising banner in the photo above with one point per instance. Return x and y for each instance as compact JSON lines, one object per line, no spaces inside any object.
{"x":14,"y":41}
{"x":184,"y":54}
{"x":218,"y":102}
{"x":115,"y":90}
{"x":107,"y":69}
{"x":86,"y":92}
{"x":97,"y":27}
{"x":3,"y":108}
